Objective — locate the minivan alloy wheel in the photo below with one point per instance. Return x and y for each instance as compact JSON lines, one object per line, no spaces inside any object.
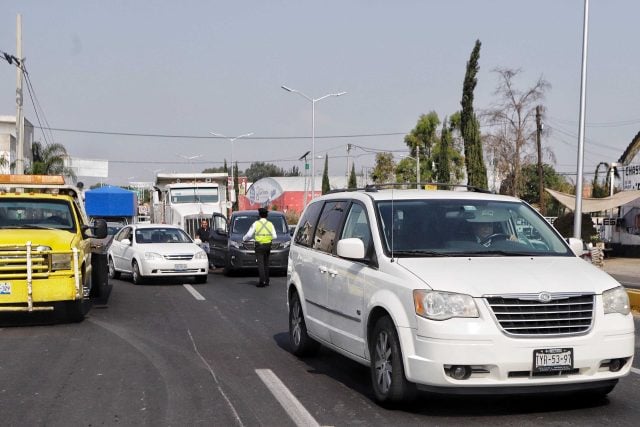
{"x":383,"y":362}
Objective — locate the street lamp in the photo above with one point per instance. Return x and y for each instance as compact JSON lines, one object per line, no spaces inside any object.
{"x":190,"y":158}
{"x":313,"y":129}
{"x":231,"y":139}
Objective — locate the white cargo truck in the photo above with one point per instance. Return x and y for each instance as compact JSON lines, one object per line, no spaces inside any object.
{"x":183,"y":199}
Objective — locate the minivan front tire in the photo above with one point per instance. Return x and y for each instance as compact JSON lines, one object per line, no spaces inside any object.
{"x":390,"y":386}
{"x":301,"y":343}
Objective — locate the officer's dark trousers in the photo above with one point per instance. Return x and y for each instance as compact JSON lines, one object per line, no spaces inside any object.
{"x":262,"y":256}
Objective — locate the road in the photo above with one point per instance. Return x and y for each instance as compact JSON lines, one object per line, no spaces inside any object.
{"x":217,"y":354}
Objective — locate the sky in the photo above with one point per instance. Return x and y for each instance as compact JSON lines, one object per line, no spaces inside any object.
{"x":180,"y":70}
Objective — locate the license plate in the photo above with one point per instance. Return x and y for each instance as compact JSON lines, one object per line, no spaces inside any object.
{"x":552,"y":359}
{"x":5,"y":288}
{"x":181,"y":266}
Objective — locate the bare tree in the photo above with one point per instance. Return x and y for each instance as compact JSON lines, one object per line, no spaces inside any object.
{"x":512,"y":119}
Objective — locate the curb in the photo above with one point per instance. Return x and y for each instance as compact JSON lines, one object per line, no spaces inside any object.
{"x":634,"y":299}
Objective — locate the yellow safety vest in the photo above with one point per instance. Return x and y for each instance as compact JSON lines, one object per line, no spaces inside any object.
{"x":263,"y":229}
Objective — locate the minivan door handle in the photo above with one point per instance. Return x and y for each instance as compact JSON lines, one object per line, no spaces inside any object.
{"x":322,"y":269}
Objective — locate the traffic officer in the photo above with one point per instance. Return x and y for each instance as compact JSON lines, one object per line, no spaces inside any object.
{"x":263,"y":232}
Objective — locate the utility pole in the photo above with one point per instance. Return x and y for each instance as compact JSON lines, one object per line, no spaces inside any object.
{"x":540,"y":176}
{"x":348,"y":161}
{"x":418,"y":165}
{"x":19,"y":112}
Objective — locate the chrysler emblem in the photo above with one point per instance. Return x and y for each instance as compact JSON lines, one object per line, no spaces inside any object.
{"x":544,"y":297}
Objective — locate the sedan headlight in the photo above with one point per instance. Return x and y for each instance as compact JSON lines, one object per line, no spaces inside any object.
{"x":60,"y":262}
{"x":616,"y":300}
{"x":437,"y":305}
{"x":152,"y":255}
{"x":286,"y":244}
{"x":200,"y":255}
{"x":235,"y":244}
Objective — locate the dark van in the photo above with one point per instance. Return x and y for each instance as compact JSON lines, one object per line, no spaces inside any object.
{"x":230,"y":252}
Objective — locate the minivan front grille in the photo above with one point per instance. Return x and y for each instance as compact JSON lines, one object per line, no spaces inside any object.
{"x":543,"y":314}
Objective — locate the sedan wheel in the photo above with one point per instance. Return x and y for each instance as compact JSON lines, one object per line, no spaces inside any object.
{"x":113,"y":274}
{"x":135,"y":274}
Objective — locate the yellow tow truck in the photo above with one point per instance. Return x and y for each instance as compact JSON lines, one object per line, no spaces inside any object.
{"x":46,"y":261}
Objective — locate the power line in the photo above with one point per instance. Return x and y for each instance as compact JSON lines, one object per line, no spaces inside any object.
{"x":159,"y":135}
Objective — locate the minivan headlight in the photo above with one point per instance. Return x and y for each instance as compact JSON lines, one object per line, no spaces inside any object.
{"x":616,"y":300}
{"x":234,"y":244}
{"x":436,"y":305}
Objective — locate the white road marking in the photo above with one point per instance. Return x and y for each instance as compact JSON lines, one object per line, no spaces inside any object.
{"x":291,"y":405}
{"x":635,"y":371}
{"x":193,"y":292}
{"x":215,"y":379}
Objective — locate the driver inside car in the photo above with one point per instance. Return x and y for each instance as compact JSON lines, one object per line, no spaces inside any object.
{"x":484,"y":232}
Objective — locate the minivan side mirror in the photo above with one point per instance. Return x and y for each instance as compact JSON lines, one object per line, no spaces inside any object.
{"x":352,"y":248}
{"x":576,"y":245}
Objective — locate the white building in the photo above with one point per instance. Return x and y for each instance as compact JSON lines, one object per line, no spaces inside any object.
{"x":9,"y":143}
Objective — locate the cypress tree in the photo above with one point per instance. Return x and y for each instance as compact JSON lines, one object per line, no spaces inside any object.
{"x":325,"y":175}
{"x":353,"y":183}
{"x":469,"y":126}
{"x":443,"y":173}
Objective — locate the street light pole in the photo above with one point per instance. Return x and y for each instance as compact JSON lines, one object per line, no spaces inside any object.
{"x":313,"y":129}
{"x":233,"y":182}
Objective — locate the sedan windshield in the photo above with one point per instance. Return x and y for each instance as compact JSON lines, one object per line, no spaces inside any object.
{"x":424,"y":228}
{"x":162,"y":235}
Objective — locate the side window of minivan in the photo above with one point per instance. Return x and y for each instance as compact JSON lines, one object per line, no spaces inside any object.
{"x":357,"y":225}
{"x":304,"y":232}
{"x":328,"y":226}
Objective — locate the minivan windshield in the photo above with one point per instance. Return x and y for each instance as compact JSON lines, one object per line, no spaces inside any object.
{"x":436,"y":227}
{"x":240,"y":224}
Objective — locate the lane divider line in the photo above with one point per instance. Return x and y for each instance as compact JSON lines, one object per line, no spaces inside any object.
{"x":193,"y":292}
{"x":291,"y":405}
{"x":236,"y":416}
{"x":635,"y":371}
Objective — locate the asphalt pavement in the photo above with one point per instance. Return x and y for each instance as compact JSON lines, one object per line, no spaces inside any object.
{"x":622,"y":266}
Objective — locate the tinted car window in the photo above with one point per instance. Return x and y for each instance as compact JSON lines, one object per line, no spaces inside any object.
{"x":328,"y":226}
{"x":304,"y":232}
{"x":357,"y":225}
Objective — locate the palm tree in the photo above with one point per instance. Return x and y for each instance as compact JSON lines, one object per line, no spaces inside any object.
{"x":48,"y":159}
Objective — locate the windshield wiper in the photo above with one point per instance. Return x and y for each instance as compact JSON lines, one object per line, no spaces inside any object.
{"x":422,"y":252}
{"x":29,"y":226}
{"x":503,"y":253}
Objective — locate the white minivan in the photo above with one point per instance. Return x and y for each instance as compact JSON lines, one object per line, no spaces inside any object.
{"x":445,"y":291}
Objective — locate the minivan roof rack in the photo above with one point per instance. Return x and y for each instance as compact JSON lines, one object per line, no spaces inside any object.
{"x":409,"y":186}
